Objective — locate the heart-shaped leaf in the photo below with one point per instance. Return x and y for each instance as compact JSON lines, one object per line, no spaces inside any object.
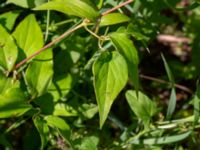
{"x":110,"y":76}
{"x":126,"y":48}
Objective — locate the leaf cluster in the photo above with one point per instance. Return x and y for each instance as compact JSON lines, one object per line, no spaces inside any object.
{"x":72,"y":74}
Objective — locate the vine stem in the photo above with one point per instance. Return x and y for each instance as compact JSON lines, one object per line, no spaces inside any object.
{"x":51,"y":43}
{"x":117,"y":7}
{"x":84,"y":23}
{"x":181,"y":87}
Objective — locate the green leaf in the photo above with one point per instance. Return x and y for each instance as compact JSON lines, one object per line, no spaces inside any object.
{"x":62,"y":109}
{"x":172,"y":104}
{"x":196,"y":101}
{"x":161,"y":140}
{"x":169,"y":73}
{"x":5,"y":83}
{"x":15,"y":125}
{"x":142,"y":106}
{"x":88,"y":110}
{"x":90,"y":143}
{"x":43,"y":130}
{"x":8,"y":19}
{"x":59,"y":124}
{"x":8,"y":50}
{"x":29,"y":36}
{"x":46,"y":103}
{"x":126,"y":48}
{"x":39,"y":73}
{"x":172,"y":100}
{"x":110,"y":76}
{"x":27,"y":3}
{"x":113,"y":18}
{"x":76,"y":8}
{"x":136,"y":32}
{"x":60,"y":86}
{"x":13,"y":103}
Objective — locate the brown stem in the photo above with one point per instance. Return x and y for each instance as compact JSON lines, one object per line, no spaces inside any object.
{"x":49,"y":44}
{"x":66,"y":34}
{"x":117,"y":7}
{"x":172,"y":39}
{"x":181,"y":87}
